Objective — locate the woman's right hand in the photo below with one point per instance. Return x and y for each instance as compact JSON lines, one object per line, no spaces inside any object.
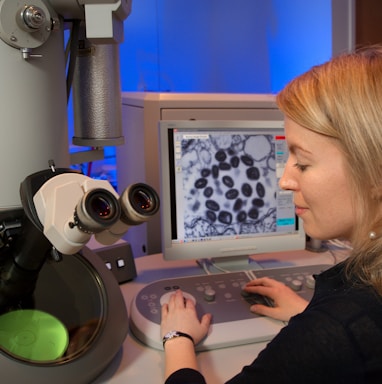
{"x":180,"y":315}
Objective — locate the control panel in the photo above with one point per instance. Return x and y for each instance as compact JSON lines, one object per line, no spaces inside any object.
{"x":222,"y":296}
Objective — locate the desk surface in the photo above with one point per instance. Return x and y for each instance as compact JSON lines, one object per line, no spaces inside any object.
{"x":137,"y":363}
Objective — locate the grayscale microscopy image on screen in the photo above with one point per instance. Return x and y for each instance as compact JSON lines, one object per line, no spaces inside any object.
{"x":229,"y":185}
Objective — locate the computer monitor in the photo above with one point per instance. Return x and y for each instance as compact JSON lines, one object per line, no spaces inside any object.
{"x":220,"y":196}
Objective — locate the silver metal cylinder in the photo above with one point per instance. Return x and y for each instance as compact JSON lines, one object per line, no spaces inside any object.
{"x":97,"y":97}
{"x":33,"y":126}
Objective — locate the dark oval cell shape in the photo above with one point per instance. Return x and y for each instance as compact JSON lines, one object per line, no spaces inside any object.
{"x":232,"y":194}
{"x":246,"y":190}
{"x":247,"y":160}
{"x":196,"y":206}
{"x":201,"y":183}
{"x":220,"y":155}
{"x":260,"y":189}
{"x":208,"y":192}
{"x":258,"y":202}
{"x":212,"y":205}
{"x":241,"y":216}
{"x":205,"y":172}
{"x":223,"y":166}
{"x":234,"y":161}
{"x":253,"y":213}
{"x":215,"y":171}
{"x":228,"y":181}
{"x":225,"y":217}
{"x":253,"y":173}
{"x":211,"y":216}
{"x":238,"y":204}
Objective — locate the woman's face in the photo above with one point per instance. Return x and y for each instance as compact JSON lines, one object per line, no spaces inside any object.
{"x":316,"y":174}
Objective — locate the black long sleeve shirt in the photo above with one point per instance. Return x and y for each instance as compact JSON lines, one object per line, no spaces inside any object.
{"x":337,"y":339}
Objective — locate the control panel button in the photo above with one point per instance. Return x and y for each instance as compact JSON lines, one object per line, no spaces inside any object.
{"x":209,"y":294}
{"x":166,"y":297}
{"x":296,"y":285}
{"x":120,"y":263}
{"x":310,"y":282}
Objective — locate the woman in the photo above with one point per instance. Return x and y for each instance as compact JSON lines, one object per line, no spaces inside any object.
{"x":333,"y":126}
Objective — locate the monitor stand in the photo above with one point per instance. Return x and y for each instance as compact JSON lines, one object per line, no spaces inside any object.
{"x":230,"y":264}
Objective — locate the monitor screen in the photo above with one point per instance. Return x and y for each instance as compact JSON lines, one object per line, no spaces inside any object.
{"x":219,"y":190}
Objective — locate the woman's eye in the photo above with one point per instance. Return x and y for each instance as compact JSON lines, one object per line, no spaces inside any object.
{"x":300,"y":167}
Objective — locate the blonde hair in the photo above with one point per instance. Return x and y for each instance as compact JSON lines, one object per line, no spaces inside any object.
{"x":342,"y":99}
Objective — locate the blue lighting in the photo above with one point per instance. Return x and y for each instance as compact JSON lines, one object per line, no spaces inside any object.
{"x":249,"y":46}
{"x":246,"y":46}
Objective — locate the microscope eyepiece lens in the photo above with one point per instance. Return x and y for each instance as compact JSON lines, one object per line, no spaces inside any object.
{"x":97,"y":210}
{"x":143,"y":200}
{"x":101,"y":206}
{"x":139,"y":202}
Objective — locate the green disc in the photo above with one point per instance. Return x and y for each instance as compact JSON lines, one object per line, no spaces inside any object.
{"x":33,"y":335}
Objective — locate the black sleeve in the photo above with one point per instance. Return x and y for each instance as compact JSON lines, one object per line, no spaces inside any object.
{"x":336,"y":341}
{"x":186,"y":376}
{"x":313,"y":348}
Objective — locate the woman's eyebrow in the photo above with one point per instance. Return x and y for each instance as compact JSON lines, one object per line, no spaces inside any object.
{"x":295,"y":148}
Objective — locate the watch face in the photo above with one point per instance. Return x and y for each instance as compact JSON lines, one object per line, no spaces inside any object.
{"x":170,"y":335}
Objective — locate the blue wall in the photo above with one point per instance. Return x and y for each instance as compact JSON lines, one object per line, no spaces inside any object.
{"x":246,"y":46}
{"x":249,"y":46}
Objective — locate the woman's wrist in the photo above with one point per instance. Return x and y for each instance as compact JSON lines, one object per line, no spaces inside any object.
{"x":179,"y":353}
{"x":172,"y":335}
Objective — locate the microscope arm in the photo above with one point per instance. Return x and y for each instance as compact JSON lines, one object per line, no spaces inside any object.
{"x":34,"y":117}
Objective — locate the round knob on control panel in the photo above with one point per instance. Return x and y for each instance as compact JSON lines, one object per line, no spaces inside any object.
{"x":296,"y":285}
{"x":209,"y":294}
{"x":310,"y":282}
{"x":166,"y":297}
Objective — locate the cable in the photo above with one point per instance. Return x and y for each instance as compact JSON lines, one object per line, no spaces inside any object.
{"x":203,"y":264}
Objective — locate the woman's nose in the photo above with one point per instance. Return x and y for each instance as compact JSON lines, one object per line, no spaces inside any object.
{"x":287,"y":182}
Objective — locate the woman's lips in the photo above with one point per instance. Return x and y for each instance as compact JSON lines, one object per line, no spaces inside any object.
{"x":300,"y":210}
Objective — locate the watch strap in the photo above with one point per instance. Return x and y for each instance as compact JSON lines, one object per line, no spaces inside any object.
{"x":173,"y":334}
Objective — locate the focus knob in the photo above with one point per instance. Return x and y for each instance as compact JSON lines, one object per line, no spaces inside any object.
{"x":33,"y":17}
{"x":310,"y":282}
{"x":296,"y":285}
{"x":209,"y":294}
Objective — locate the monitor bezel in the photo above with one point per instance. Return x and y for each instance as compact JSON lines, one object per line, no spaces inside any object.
{"x":222,"y":248}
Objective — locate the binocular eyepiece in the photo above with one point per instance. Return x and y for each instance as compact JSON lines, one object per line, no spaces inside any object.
{"x":72,"y":207}
{"x":99,"y":209}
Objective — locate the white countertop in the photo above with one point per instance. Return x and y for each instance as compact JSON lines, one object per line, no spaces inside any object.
{"x":137,"y":363}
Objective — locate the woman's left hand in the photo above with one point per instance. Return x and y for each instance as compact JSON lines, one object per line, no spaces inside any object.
{"x":286,"y":302}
